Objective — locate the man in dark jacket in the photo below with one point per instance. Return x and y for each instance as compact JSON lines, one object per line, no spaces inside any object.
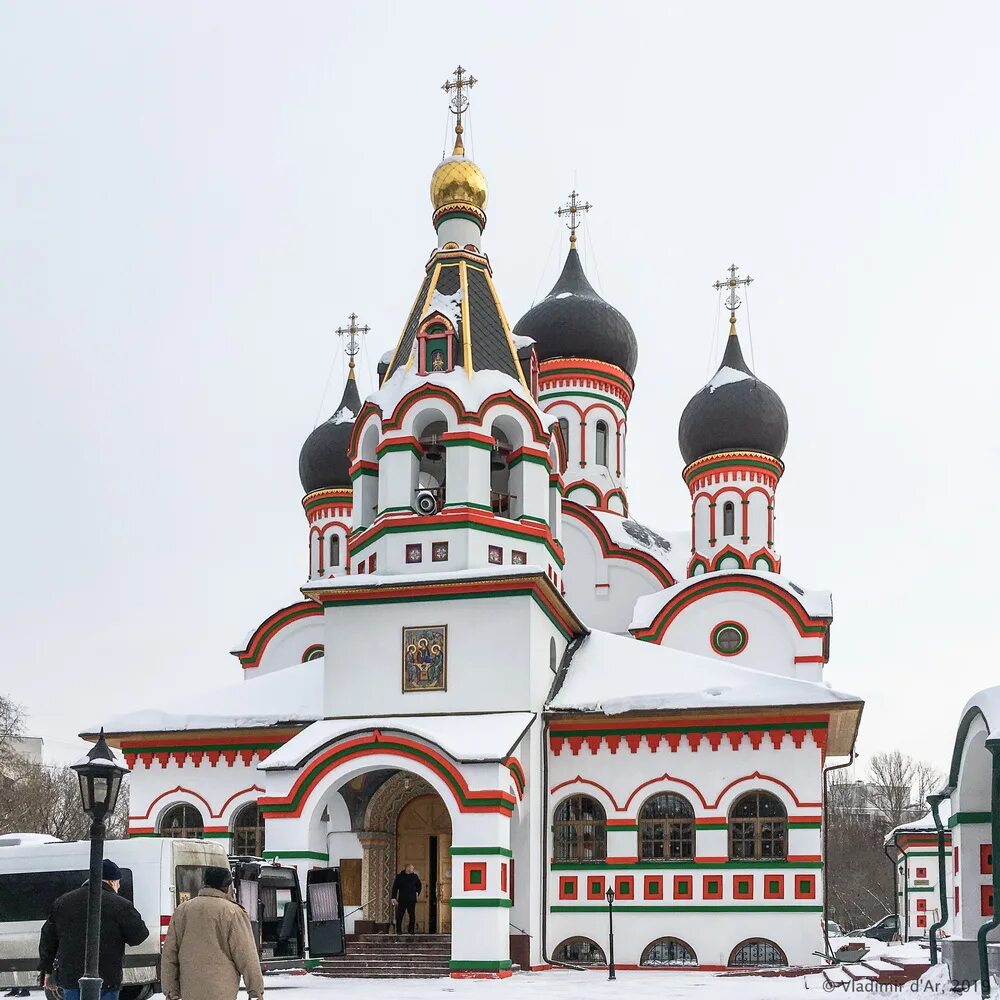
{"x":62,"y":946}
{"x":405,"y":890}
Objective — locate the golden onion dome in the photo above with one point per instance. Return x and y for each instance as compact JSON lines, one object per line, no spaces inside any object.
{"x":458,"y":181}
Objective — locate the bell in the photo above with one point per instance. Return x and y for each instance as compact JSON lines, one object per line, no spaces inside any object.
{"x":433,"y":453}
{"x":497,"y":460}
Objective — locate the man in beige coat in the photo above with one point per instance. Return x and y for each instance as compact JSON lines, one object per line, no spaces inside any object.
{"x":210,"y":945}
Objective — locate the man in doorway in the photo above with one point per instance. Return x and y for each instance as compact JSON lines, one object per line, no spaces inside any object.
{"x":405,"y":890}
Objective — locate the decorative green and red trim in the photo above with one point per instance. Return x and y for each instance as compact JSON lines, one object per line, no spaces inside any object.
{"x":378,"y":743}
{"x":270,"y":627}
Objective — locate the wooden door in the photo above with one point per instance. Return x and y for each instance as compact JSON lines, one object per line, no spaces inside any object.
{"x":423,"y":839}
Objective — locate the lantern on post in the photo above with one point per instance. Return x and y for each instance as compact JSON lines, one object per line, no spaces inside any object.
{"x":100,"y":777}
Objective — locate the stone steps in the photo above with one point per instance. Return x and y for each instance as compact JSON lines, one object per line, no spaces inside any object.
{"x":388,"y":956}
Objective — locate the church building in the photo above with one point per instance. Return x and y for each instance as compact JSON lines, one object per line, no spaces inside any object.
{"x":654,"y":724}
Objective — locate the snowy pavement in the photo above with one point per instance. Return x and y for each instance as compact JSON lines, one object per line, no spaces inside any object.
{"x":567,"y":985}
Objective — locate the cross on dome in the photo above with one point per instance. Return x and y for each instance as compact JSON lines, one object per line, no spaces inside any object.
{"x":459,"y":101}
{"x":732,"y":283}
{"x":351,"y":332}
{"x":575,"y":211}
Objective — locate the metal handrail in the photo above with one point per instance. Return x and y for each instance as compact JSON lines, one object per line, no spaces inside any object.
{"x":361,"y":907}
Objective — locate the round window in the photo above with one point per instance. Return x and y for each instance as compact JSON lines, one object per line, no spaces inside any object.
{"x":729,"y":638}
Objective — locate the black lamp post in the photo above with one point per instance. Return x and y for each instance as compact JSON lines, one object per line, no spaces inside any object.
{"x":611,"y":933}
{"x":100,"y":780}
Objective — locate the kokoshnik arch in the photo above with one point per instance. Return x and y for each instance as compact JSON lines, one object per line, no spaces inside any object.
{"x":494,"y":667}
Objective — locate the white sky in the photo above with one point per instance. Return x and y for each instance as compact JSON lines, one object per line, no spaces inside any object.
{"x":194,"y":196}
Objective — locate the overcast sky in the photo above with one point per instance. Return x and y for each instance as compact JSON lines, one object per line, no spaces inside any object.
{"x":193,"y":196}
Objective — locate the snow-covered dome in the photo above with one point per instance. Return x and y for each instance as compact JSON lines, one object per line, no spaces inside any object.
{"x":323,"y":462}
{"x":735,"y":411}
{"x":573,"y":321}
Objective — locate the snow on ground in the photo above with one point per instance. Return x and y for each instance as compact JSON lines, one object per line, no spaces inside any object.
{"x":666,"y":985}
{"x":911,"y":951}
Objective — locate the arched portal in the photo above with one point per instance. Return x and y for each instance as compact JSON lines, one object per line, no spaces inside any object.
{"x":423,"y":839}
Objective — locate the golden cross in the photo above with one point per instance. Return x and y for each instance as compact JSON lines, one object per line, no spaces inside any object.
{"x":351,"y":333}
{"x":574,"y":209}
{"x":459,"y":103}
{"x":732,"y":283}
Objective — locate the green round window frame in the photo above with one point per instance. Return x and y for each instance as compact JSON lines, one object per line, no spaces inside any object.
{"x":722,"y":641}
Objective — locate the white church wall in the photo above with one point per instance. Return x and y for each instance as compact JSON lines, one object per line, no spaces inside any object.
{"x":601,"y":591}
{"x":488,"y":650}
{"x":288,"y":646}
{"x":711,"y":780}
{"x":773,"y":641}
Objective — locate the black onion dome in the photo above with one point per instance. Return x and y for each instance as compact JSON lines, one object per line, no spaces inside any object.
{"x":734,"y":412}
{"x":573,"y":321}
{"x":323,"y":461}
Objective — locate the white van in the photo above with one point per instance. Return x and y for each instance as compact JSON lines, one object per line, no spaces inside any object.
{"x":157,"y":874}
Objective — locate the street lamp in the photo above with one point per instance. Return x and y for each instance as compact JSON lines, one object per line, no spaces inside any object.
{"x":611,"y":933}
{"x":100,"y":780}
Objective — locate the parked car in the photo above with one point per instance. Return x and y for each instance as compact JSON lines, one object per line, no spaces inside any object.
{"x":833,"y":929}
{"x":882,"y":930}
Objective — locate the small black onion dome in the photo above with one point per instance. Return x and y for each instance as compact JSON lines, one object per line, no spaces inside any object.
{"x":734,"y":412}
{"x":323,"y":461}
{"x":573,"y":321}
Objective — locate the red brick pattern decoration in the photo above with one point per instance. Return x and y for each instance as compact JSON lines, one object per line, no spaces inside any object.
{"x":986,"y":900}
{"x":986,"y":859}
{"x":474,"y":876}
{"x":683,"y":887}
{"x":595,"y":887}
{"x":568,"y":887}
{"x":652,"y":887}
{"x":625,"y":887}
{"x":774,"y":886}
{"x":742,"y":887}
{"x":921,"y":920}
{"x":711,"y":887}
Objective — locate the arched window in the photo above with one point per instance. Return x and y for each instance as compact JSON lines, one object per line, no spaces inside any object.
{"x":728,"y":518}
{"x":564,"y":425}
{"x":668,"y":951}
{"x":248,"y":832}
{"x":756,"y":952}
{"x":666,"y":828}
{"x":601,"y":456}
{"x":335,"y":549}
{"x":758,"y":827}
{"x":580,"y":830}
{"x":553,"y":655}
{"x":182,"y":821}
{"x":579,"y":951}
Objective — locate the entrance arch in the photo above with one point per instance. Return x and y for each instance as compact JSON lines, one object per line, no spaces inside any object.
{"x":423,"y":839}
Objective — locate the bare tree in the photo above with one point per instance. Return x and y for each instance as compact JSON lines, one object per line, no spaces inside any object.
{"x":11,"y":730}
{"x":898,"y":786}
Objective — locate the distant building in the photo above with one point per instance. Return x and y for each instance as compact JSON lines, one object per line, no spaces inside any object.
{"x":913,"y":848}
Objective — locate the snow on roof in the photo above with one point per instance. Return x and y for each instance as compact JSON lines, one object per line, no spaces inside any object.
{"x":450,"y":306}
{"x":466,"y":738}
{"x":817,"y":603}
{"x":988,"y":702}
{"x":343,"y":416}
{"x":520,"y":341}
{"x":613,"y":674}
{"x":725,"y":375}
{"x":21,"y":839}
{"x":294,"y":694}
{"x":922,"y":825}
{"x":472,"y":391}
{"x":627,"y":533}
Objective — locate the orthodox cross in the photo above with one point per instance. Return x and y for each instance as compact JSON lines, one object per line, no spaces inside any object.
{"x":573,"y":209}
{"x":459,"y":102}
{"x":351,"y":333}
{"x":732,"y":283}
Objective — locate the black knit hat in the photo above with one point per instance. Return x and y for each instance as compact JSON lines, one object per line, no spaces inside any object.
{"x":110,"y":872}
{"x":218,"y":878}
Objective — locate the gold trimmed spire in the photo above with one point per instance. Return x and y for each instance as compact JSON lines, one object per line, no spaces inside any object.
{"x":457,"y":182}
